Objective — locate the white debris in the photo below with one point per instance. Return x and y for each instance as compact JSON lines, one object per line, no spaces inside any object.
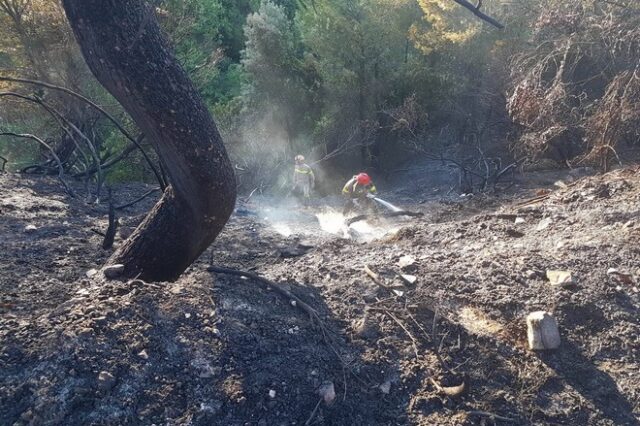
{"x":272,"y":393}
{"x":385,"y":388}
{"x":544,"y":224}
{"x":561,"y":278}
{"x":406,"y":260}
{"x":328,"y":392}
{"x":542,"y":331}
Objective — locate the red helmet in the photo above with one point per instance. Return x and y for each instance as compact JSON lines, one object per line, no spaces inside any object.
{"x":363,"y":179}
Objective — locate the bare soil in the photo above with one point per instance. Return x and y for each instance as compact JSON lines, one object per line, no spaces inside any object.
{"x":214,"y":349}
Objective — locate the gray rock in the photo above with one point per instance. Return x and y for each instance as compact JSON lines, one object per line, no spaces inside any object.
{"x":106,"y":381}
{"x":542,"y":331}
{"x":113,"y":271}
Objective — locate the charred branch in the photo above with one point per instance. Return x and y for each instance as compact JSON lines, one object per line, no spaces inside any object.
{"x":475,"y":9}
{"x":115,"y":122}
{"x":51,"y":150}
{"x":110,"y":235}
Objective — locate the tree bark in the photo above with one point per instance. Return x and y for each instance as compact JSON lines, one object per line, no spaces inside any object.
{"x":126,"y":51}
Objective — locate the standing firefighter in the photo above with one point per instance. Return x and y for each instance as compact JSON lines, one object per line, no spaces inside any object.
{"x":358,"y":190}
{"x":303,"y":178}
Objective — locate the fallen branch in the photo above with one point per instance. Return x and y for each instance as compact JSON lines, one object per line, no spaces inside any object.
{"x":376,"y":278}
{"x":313,"y":413}
{"x":491,"y":415}
{"x":277,"y":287}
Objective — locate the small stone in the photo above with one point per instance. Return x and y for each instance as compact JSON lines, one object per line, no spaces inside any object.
{"x":519,"y":220}
{"x":91,"y":272}
{"x":113,"y":271}
{"x":531,"y":274}
{"x":542,"y":331}
{"x":406,"y":260}
{"x":272,"y":393}
{"x":328,"y":392}
{"x":385,"y":388}
{"x":106,"y":380}
{"x":85,"y":332}
{"x":30,"y":228}
{"x":187,"y":315}
{"x":409,"y":279}
{"x":294,"y":303}
{"x":561,"y":278}
{"x":143,"y":354}
{"x":544,"y":224}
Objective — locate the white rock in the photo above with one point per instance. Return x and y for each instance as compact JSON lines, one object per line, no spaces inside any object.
{"x":113,"y":271}
{"x":544,"y":224}
{"x":272,"y":393}
{"x":143,"y":354}
{"x":561,"y":278}
{"x":519,"y":220}
{"x":385,"y":388}
{"x":106,"y":380}
{"x":328,"y":392}
{"x":542,"y":331}
{"x":30,"y":228}
{"x":409,"y":279}
{"x":406,"y":260}
{"x":91,"y":272}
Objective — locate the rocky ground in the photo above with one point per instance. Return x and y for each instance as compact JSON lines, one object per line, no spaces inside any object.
{"x":448,"y":348}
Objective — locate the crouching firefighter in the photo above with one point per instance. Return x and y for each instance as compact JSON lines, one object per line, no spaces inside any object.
{"x":303,"y":179}
{"x":359,"y":190}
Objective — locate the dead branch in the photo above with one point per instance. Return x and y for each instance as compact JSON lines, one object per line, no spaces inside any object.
{"x":279,"y":288}
{"x":52,"y":112}
{"x":53,"y":154}
{"x":476,"y":11}
{"x":491,"y":415}
{"x":376,"y":278}
{"x":110,"y":235}
{"x":313,"y":413}
{"x":414,"y":342}
{"x":161,"y":181}
{"x":137,"y":200}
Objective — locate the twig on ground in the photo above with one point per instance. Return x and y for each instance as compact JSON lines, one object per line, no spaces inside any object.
{"x":375,"y":278}
{"x":279,"y":288}
{"x":313,"y":413}
{"x":313,"y":314}
{"x":406,"y":330}
{"x":487,"y":414}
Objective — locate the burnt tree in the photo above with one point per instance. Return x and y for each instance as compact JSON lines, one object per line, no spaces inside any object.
{"x":125,"y":49}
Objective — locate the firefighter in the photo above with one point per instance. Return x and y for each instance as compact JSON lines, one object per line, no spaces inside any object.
{"x":358,"y":191}
{"x":303,"y":178}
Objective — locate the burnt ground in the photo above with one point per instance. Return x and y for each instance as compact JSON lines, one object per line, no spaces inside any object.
{"x":217,"y":349}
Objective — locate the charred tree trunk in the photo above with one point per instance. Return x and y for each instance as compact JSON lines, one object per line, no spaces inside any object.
{"x":125,"y":49}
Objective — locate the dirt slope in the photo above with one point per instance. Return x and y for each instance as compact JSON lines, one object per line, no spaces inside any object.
{"x":216,"y":349}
